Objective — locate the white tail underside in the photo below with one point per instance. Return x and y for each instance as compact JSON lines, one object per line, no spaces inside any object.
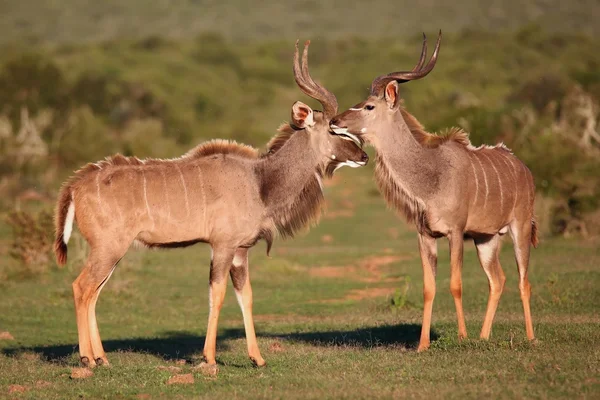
{"x":69,"y":223}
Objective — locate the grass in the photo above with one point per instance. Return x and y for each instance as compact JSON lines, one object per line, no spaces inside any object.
{"x":324,"y":319}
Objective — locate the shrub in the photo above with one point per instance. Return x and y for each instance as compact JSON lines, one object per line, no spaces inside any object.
{"x":32,"y":240}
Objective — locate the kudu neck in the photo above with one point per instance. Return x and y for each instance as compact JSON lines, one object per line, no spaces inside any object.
{"x":285,"y":174}
{"x":416,"y":167}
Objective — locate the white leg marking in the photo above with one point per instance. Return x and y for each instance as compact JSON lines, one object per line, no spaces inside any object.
{"x":487,"y":190}
{"x":240,"y":300}
{"x":68,"y":228}
{"x":210,"y":299}
{"x":476,"y":180}
{"x":187,"y":204}
{"x":238,"y":260}
{"x":146,"y":200}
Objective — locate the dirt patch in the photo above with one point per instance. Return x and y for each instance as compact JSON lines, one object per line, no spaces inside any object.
{"x":372,"y":267}
{"x":180,"y":362}
{"x":42,"y":384}
{"x":17,"y":389}
{"x":326,"y":238}
{"x":143,"y":396}
{"x":206,"y":369}
{"x":362,"y":294}
{"x":332,"y":272}
{"x":6,"y":336}
{"x":181,"y":379}
{"x":393,"y":232}
{"x":276,"y":347}
{"x":81,"y":373}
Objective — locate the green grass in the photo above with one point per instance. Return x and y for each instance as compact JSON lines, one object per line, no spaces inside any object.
{"x":318,"y":340}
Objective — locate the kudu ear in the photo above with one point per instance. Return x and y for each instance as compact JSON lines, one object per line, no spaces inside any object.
{"x":302,"y":115}
{"x":391,"y":94}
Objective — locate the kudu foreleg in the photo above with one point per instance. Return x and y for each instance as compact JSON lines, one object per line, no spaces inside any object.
{"x":456,"y":263}
{"x":488,"y":250}
{"x":240,"y":276}
{"x":428,"y":250}
{"x":219,"y":268}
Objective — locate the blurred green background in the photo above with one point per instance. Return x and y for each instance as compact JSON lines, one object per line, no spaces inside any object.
{"x":80,"y":80}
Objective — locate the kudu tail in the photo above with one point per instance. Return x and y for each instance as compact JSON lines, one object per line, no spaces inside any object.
{"x":63,"y":222}
{"x":534,"y":233}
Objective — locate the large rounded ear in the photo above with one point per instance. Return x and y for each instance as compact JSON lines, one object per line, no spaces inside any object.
{"x":302,"y":115}
{"x":391,"y":94}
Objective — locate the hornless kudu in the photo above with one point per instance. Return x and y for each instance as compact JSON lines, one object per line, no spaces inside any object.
{"x":220,"y":192}
{"x":447,"y":187}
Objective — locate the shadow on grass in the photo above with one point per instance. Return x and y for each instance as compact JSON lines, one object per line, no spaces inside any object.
{"x":183,"y":345}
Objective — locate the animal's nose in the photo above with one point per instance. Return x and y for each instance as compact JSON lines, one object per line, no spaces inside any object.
{"x":364,"y":157}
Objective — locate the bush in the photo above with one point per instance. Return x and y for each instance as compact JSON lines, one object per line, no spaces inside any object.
{"x":32,"y":240}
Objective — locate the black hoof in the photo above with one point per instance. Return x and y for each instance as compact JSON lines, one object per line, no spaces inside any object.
{"x":85,"y":361}
{"x":256,"y":364}
{"x":99,"y":361}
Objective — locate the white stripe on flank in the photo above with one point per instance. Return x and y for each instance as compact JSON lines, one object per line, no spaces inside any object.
{"x":487,"y":190}
{"x":68,"y":228}
{"x":355,"y":109}
{"x":187,"y":204}
{"x":146,"y":200}
{"x":162,"y":171}
{"x":499,"y":181}
{"x":509,"y":164}
{"x":476,"y":180}
{"x":203,"y":191}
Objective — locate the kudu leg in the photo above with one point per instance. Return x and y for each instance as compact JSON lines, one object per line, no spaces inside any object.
{"x":521,"y":235}
{"x":85,"y":289}
{"x":83,"y":331}
{"x":428,"y":250}
{"x":219,"y":268}
{"x":240,"y":276}
{"x":97,"y":348}
{"x":456,"y":263}
{"x":488,"y":250}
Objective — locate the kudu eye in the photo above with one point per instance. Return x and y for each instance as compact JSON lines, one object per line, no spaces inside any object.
{"x":369,"y":107}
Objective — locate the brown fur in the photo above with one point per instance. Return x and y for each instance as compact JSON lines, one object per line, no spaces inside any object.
{"x":447,"y":187}
{"x":431,"y":140}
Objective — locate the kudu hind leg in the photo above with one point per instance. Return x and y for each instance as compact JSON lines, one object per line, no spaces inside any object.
{"x":521,"y":235}
{"x":456,"y":263}
{"x":240,"y":276}
{"x":428,"y":250}
{"x":488,"y":251}
{"x":219,"y":267}
{"x":86,"y":289}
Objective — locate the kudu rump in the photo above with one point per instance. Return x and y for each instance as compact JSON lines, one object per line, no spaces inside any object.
{"x":220,"y":192}
{"x":447,"y":187}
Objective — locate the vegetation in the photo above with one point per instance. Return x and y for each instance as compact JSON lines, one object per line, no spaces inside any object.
{"x":537,"y":92}
{"x":323,"y":317}
{"x":338,"y":311}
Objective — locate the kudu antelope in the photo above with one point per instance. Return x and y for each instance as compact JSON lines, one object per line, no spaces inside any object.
{"x":220,"y":192}
{"x":447,"y":187}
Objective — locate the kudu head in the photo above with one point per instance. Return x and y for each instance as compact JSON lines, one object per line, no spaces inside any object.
{"x":365,"y":119}
{"x":335,"y":149}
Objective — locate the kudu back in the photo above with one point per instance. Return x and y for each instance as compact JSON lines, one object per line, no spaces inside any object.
{"x":221,"y":192}
{"x":447,"y":187}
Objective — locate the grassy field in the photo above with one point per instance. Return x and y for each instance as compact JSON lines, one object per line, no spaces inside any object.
{"x":325,"y":318}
